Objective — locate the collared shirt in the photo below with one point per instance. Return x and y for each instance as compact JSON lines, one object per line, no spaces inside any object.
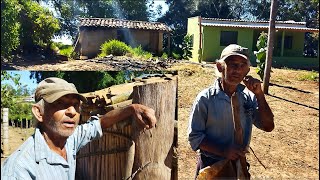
{"x":211,"y":117}
{"x":35,"y":160}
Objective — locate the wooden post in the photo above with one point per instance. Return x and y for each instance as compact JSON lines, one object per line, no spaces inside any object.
{"x":153,"y":146}
{"x":5,"y":123}
{"x":266,"y":77}
{"x":242,"y":172}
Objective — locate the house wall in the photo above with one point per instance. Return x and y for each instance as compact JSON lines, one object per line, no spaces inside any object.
{"x":193,"y":29}
{"x":211,"y":41}
{"x":297,"y":44}
{"x":90,"y":40}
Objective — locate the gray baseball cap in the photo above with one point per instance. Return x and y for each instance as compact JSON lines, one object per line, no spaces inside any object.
{"x":53,"y":88}
{"x":234,"y":50}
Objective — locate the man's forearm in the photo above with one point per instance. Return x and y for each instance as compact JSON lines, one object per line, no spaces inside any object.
{"x":265,"y":113}
{"x":115,"y":116}
{"x":210,"y":147}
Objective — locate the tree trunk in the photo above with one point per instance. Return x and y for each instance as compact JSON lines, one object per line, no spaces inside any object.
{"x":273,"y":14}
{"x":153,"y":146}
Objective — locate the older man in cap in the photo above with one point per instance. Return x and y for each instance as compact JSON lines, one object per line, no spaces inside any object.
{"x":50,"y":153}
{"x":211,"y":126}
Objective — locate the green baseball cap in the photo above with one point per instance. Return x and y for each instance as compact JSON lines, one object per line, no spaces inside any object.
{"x":234,"y":50}
{"x":53,"y":88}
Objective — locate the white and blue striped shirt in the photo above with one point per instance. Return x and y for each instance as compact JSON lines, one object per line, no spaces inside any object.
{"x":211,"y":117}
{"x":35,"y":160}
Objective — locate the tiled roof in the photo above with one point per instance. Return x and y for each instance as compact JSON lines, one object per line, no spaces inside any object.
{"x":121,"y":23}
{"x":279,"y":25}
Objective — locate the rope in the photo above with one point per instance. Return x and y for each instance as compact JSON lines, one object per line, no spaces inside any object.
{"x":258,"y":158}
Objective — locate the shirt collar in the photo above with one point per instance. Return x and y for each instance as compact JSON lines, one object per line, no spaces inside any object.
{"x":42,"y":150}
{"x":221,"y":94}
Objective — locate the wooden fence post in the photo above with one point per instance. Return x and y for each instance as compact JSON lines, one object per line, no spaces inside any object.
{"x":153,"y":146}
{"x":5,"y":123}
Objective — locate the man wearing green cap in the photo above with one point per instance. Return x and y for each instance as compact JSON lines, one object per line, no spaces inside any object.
{"x":211,"y":126}
{"x":50,"y":153}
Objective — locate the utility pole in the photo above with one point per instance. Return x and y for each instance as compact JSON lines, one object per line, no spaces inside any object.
{"x":271,"y":32}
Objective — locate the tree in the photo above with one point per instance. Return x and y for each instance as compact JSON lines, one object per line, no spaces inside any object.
{"x":7,"y":91}
{"x":38,"y":25}
{"x":9,"y":26}
{"x":179,"y":11}
{"x":85,"y":81}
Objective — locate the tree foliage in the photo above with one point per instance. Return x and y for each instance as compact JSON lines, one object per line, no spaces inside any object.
{"x":85,"y":81}
{"x":13,"y":98}
{"x":25,"y":25}
{"x":10,"y":26}
{"x":38,"y":25}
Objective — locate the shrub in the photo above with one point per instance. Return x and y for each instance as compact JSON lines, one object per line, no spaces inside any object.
{"x":164,"y":56}
{"x":187,"y":46}
{"x":66,"y":51}
{"x":139,"y":52}
{"x":176,"y":55}
{"x":261,"y":54}
{"x":114,"y":47}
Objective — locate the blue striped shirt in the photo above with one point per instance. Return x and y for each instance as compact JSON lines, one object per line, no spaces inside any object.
{"x":211,"y":117}
{"x":35,"y":160}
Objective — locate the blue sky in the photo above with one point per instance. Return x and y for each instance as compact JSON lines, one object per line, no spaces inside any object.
{"x":24,"y":79}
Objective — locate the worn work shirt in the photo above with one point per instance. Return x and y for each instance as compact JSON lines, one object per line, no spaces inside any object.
{"x":211,"y":117}
{"x":35,"y":160}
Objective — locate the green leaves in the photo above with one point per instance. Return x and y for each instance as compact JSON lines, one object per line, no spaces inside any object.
{"x":187,"y":46}
{"x":261,"y":53}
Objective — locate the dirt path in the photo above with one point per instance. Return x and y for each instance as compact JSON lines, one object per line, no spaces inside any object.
{"x":290,"y":151}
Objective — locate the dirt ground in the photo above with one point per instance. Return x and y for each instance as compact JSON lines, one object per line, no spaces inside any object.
{"x":290,"y":151}
{"x":16,"y":137}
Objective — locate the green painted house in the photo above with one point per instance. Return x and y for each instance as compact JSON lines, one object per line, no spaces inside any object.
{"x":210,"y":36}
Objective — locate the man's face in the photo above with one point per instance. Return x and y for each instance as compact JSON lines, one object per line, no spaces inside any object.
{"x":236,"y":68}
{"x":62,"y":116}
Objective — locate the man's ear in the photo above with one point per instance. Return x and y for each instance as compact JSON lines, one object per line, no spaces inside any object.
{"x":220,"y":67}
{"x":37,"y":112}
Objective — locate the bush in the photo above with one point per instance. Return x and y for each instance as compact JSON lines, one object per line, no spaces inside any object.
{"x":176,"y":55}
{"x":66,"y":51}
{"x":114,"y":47}
{"x":139,"y":52}
{"x":164,"y":56}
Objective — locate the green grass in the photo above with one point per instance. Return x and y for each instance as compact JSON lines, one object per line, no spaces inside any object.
{"x":309,"y":76}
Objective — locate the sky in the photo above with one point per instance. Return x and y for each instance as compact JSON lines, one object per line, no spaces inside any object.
{"x":24,"y":80}
{"x":67,"y":40}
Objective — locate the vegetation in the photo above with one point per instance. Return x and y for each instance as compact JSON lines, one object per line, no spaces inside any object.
{"x":25,"y":26}
{"x":114,"y":47}
{"x":118,"y":48}
{"x":13,"y":98}
{"x":310,"y":76}
{"x":187,"y":46}
{"x":261,"y":54}
{"x":85,"y":81}
{"x":139,"y":52}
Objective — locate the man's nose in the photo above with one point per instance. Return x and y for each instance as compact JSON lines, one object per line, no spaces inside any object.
{"x":71,"y":111}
